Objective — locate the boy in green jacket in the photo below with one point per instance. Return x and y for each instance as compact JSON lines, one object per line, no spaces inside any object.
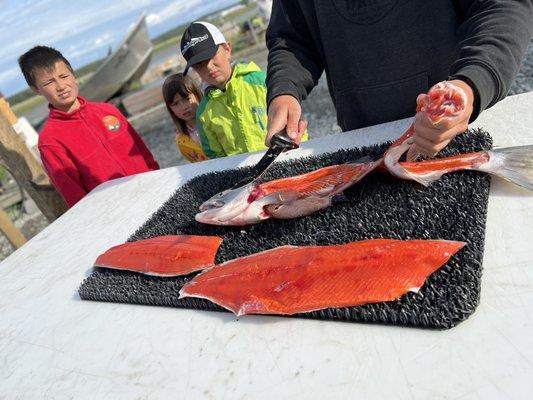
{"x":231,"y":117}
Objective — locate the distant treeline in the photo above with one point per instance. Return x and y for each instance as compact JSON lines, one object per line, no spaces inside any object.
{"x":171,"y":34}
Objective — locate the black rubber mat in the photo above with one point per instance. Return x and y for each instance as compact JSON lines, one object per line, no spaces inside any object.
{"x":380,"y":206}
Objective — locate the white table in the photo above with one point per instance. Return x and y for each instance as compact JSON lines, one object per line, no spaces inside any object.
{"x":53,"y":345}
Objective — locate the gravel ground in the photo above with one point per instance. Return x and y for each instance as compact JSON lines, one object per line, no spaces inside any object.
{"x":157,"y":129}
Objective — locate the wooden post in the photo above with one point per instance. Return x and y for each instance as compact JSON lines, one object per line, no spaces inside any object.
{"x":13,"y":235}
{"x":6,"y":110}
{"x":25,"y":169}
{"x":252,"y":30}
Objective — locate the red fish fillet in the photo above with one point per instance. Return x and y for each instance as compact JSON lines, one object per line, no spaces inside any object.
{"x":291,"y":279}
{"x":169,"y":255}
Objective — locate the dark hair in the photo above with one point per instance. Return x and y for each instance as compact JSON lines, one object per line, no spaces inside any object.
{"x":40,"y":57}
{"x":182,"y":85}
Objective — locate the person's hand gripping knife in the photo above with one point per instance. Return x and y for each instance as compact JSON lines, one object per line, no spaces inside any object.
{"x":284,"y":113}
{"x":432,"y":133}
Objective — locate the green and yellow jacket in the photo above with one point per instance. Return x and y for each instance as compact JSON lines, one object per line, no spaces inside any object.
{"x":234,"y":121}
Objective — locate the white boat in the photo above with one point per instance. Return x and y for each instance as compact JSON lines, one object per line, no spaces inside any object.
{"x":127,"y":64}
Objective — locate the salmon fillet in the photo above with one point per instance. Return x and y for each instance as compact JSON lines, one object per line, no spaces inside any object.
{"x":169,"y":255}
{"x":291,"y":279}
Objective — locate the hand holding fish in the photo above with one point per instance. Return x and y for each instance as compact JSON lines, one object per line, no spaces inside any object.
{"x":442,"y":114}
{"x":448,"y":108}
{"x":284,"y":112}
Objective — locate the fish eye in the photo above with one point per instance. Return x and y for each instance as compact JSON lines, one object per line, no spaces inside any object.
{"x":222,"y":194}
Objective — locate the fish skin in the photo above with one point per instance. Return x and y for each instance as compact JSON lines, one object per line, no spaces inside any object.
{"x":514,"y":164}
{"x":428,"y":171}
{"x":446,"y":101}
{"x":290,"y":197}
{"x":291,"y":279}
{"x":169,"y":255}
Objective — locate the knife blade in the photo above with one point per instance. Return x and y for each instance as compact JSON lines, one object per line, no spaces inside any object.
{"x":279,"y":143}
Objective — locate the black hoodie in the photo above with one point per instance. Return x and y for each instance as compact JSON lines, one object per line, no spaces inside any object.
{"x":380,"y":54}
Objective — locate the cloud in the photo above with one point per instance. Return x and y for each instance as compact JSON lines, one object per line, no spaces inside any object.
{"x":105,"y":39}
{"x":82,"y":33}
{"x":177,"y":8}
{"x":11,"y":80}
{"x":153,"y":19}
{"x":51,"y":22}
{"x":9,"y":74}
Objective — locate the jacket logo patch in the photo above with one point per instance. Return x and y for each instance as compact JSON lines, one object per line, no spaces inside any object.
{"x":111,"y":123}
{"x":364,"y":12}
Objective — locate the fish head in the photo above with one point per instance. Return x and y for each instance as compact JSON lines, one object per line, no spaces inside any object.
{"x":221,"y":199}
{"x":444,"y":100}
{"x":233,"y":207}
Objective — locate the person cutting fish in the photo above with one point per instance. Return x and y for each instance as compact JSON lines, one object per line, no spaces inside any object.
{"x":380,"y":55}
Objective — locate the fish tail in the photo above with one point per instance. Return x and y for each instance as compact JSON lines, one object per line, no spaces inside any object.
{"x":426,"y":179}
{"x":512,"y":163}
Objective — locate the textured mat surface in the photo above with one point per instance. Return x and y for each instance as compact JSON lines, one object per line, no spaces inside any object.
{"x":380,"y":206}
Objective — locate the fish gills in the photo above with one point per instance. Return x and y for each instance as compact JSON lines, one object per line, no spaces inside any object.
{"x":169,"y":255}
{"x":291,"y":279}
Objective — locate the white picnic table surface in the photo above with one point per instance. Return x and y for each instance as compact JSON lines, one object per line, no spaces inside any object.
{"x":53,"y":345}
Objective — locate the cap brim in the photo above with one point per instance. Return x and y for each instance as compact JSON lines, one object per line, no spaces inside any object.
{"x":204,"y":55}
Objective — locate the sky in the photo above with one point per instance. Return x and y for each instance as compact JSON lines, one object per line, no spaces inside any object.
{"x":83,"y":30}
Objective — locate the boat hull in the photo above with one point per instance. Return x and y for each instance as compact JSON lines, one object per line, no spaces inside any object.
{"x":120,"y":69}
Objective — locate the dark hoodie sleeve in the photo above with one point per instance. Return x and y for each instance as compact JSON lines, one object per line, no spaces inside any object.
{"x":493,"y":39}
{"x":294,"y":64}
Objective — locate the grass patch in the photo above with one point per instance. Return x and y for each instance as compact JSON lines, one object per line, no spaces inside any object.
{"x":166,"y":44}
{"x":27,"y":104}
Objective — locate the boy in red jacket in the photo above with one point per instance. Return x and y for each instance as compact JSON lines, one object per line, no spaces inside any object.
{"x":82,"y":143}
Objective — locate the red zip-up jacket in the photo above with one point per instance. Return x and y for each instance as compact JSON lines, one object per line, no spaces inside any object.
{"x":88,"y":146}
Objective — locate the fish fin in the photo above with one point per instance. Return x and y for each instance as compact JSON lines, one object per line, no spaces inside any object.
{"x":425,"y":179}
{"x":277,"y":198}
{"x":339,"y":197}
{"x":363,"y":160}
{"x":413,"y":154}
{"x":298,"y":208}
{"x":414,"y":289}
{"x":512,"y":163}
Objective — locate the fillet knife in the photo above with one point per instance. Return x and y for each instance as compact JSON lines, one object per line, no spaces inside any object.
{"x":279,"y":143}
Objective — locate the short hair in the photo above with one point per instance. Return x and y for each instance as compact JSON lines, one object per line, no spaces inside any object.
{"x":182,"y":85}
{"x":40,"y":57}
